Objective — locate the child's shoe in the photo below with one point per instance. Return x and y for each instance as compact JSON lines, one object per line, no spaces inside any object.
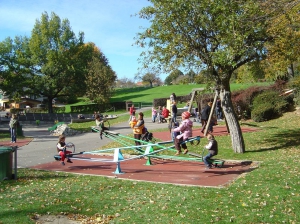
{"x":69,"y":161}
{"x":177,"y":153}
{"x":63,"y":163}
{"x":185,"y":151}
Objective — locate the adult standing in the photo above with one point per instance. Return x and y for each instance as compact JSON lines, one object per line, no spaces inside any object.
{"x":172,"y":98}
{"x":205,"y":115}
{"x":13,"y":124}
{"x":131,"y":112}
{"x":219,"y":114}
{"x":138,"y":128}
{"x":174,"y":111}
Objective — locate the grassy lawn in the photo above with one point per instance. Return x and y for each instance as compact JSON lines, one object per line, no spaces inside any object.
{"x":268,"y":194}
{"x":146,"y":94}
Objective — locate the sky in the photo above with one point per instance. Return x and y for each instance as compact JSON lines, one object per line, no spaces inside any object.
{"x":107,"y":23}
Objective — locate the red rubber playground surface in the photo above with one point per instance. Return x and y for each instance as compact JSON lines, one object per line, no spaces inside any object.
{"x":161,"y":170}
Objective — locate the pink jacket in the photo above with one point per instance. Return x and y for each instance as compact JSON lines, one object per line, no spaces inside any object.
{"x":185,"y":128}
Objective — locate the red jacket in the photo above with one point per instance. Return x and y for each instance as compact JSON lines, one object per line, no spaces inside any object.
{"x":165,"y":113}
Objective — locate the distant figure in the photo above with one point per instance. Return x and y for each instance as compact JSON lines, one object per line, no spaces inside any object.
{"x":159,"y":113}
{"x":172,"y":98}
{"x":187,"y":105}
{"x":212,"y":147}
{"x":80,"y":116}
{"x":205,"y":115}
{"x":7,"y":115}
{"x":164,"y":115}
{"x":61,"y":149}
{"x":174,"y":111}
{"x":131,"y":112}
{"x":95,"y":114}
{"x":219,"y":113}
{"x":154,"y":114}
{"x":13,"y":124}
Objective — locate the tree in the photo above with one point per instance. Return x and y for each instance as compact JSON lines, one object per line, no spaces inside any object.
{"x":149,"y":75}
{"x":100,"y":80}
{"x":173,"y":76}
{"x":125,"y":83}
{"x":283,"y":52}
{"x":51,"y":63}
{"x":220,"y":36}
{"x":191,"y":74}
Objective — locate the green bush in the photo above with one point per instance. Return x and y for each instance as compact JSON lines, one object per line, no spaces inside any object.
{"x":268,"y":105}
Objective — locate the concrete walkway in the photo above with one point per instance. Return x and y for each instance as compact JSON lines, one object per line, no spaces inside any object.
{"x":43,"y":146}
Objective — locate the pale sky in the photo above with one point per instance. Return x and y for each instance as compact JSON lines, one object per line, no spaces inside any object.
{"x":107,"y":23}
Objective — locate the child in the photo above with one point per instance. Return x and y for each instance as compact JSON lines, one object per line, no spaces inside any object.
{"x":100,"y":124}
{"x":186,"y":131}
{"x":133,"y":122}
{"x":212,"y":147}
{"x":61,"y":149}
{"x":154,"y":114}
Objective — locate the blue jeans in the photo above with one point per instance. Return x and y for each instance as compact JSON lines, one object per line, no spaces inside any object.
{"x":13,"y":135}
{"x":174,"y":117}
{"x":206,"y":159}
{"x":154,"y":118}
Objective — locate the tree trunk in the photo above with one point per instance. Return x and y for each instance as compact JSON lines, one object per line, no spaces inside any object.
{"x":290,"y":71}
{"x":50,"y":109}
{"x":237,"y":139}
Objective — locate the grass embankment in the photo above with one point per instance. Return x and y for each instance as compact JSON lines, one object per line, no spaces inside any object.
{"x":147,"y":94}
{"x":268,"y":194}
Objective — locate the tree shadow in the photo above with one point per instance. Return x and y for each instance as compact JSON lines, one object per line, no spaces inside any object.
{"x":280,"y":140}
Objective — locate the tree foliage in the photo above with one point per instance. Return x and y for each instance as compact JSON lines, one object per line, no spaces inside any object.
{"x":100,"y":80}
{"x":283,"y":51}
{"x":173,"y":76}
{"x":220,"y":36}
{"x":52,"y":63}
{"x":148,"y":75}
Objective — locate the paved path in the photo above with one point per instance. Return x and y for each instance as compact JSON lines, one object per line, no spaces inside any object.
{"x":43,"y":146}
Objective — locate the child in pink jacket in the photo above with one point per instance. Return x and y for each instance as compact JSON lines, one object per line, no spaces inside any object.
{"x":186,"y":131}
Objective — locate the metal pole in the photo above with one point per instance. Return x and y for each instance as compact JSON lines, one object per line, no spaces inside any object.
{"x":15,"y":162}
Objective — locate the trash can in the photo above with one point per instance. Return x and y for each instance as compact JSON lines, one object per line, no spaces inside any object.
{"x":19,"y":130}
{"x":6,"y":163}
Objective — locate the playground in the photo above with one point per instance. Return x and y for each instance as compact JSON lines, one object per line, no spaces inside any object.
{"x":182,"y":170}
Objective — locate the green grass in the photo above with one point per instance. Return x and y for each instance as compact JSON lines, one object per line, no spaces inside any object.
{"x":143,"y":94}
{"x":268,"y":194}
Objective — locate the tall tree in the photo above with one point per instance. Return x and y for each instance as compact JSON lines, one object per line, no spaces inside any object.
{"x":100,"y":81}
{"x":56,"y":54}
{"x":218,"y":35}
{"x":283,"y":52}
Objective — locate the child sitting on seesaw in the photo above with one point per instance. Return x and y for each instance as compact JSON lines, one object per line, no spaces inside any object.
{"x":61,"y":149}
{"x":212,"y":147}
{"x":100,"y":124}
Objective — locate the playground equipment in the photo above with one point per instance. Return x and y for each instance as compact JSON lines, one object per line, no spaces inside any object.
{"x":69,"y":145}
{"x":146,"y":149}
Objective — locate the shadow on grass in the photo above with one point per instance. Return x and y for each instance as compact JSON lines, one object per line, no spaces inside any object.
{"x":281,"y":140}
